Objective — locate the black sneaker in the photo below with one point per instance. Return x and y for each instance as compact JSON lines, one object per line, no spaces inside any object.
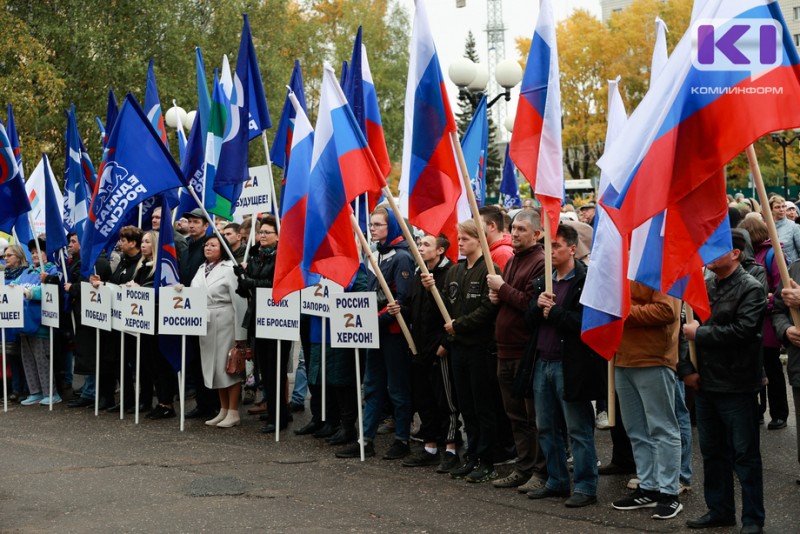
{"x":354,"y":450}
{"x":638,"y":499}
{"x":161,"y":412}
{"x":668,"y":507}
{"x":399,"y":449}
{"x":482,"y":473}
{"x":421,"y":458}
{"x":449,"y":462}
{"x":464,"y":469}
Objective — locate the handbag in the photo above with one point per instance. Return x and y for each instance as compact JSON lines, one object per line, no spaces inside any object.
{"x":236,"y":358}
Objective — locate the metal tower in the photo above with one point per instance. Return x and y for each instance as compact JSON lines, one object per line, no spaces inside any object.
{"x":496,"y":43}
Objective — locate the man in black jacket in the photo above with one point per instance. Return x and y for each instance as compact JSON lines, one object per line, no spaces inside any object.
{"x":727,"y":383}
{"x":432,"y":392}
{"x":567,"y":376}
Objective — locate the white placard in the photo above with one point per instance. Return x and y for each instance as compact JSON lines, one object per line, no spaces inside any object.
{"x":11,"y":307}
{"x":316,"y":300}
{"x":139,"y":309}
{"x":96,"y":306}
{"x":184,"y":313}
{"x":354,"y":321}
{"x":277,"y":320}
{"x":50,"y":311}
{"x":117,"y":307}
{"x":255,"y":196}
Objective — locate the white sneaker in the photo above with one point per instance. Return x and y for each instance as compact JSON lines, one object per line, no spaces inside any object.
{"x":601,"y":421}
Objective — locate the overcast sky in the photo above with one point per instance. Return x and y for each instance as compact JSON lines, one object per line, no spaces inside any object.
{"x":450,"y":26}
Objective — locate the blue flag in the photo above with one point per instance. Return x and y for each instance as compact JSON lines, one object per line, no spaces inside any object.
{"x":166,"y":275}
{"x":14,"y":202}
{"x":21,"y":227}
{"x":76,"y":192}
{"x":475,"y":145}
{"x":282,"y":144}
{"x":248,"y":115}
{"x":112,"y":110}
{"x":354,"y":85}
{"x":509,"y":187}
{"x":137,"y":167}
{"x":192,"y":166}
{"x":54,"y":226}
{"x":152,"y":105}
{"x":203,"y":96}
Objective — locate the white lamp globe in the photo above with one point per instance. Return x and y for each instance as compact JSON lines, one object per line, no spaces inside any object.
{"x":189,"y":119}
{"x":481,"y":79}
{"x":173,"y":114}
{"x":508,"y":73}
{"x":462,"y":71}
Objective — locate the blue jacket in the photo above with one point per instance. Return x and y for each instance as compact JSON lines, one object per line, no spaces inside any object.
{"x":397,"y":266}
{"x":32,"y":312}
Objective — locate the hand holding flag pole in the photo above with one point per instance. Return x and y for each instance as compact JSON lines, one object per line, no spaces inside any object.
{"x":382,"y":281}
{"x":414,"y":250}
{"x":780,"y":259}
{"x":692,"y":345}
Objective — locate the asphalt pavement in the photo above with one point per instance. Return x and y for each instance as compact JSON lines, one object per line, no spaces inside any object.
{"x":69,"y":471}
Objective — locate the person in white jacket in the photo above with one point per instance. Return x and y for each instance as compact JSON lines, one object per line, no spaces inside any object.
{"x":226,"y":310}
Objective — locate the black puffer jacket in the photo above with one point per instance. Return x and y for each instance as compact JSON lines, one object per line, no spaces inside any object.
{"x":260,"y":272}
{"x":585,"y":371}
{"x":729,"y":342}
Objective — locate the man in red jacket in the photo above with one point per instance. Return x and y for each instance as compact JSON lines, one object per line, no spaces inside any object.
{"x":513,"y":292}
{"x":500,"y":245}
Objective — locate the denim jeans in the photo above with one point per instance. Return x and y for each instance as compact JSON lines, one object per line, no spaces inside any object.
{"x":300,"y":381}
{"x":685,"y":424}
{"x":88,"y":387}
{"x":552,"y":413}
{"x":727,"y":424}
{"x":389,"y":366}
{"x":647,"y":401}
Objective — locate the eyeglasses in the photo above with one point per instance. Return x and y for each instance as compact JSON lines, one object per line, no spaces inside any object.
{"x":266,"y":232}
{"x":377,"y":225}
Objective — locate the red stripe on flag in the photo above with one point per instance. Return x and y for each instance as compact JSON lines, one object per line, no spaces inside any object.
{"x":526,"y":141}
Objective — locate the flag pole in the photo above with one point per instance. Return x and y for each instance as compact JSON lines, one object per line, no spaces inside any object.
{"x":271,"y":182}
{"x":5,"y":374}
{"x":324,"y":365}
{"x":222,"y":240}
{"x":692,"y":345}
{"x":278,"y":392}
{"x":548,"y":252}
{"x":473,"y":204}
{"x":611,"y":410}
{"x":780,"y":259}
{"x":358,"y":402}
{"x":183,"y":380}
{"x":423,"y":269}
{"x":121,"y":375}
{"x":382,"y":281}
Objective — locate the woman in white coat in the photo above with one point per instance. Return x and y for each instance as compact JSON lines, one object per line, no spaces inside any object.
{"x":226,"y":310}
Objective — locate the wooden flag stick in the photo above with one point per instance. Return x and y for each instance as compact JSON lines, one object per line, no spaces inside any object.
{"x":766,"y":212}
{"x":473,"y":204}
{"x":548,"y":253}
{"x":437,"y":297}
{"x":382,"y":281}
{"x":692,"y":345}
{"x":612,"y":395}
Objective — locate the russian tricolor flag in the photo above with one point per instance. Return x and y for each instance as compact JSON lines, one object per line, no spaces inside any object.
{"x":695,"y":119}
{"x":430,"y":184}
{"x":342,"y":167}
{"x":606,"y":294}
{"x":291,"y":272}
{"x":536,"y":143}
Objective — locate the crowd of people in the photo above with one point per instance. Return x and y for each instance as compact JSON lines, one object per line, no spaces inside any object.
{"x":509,"y":363}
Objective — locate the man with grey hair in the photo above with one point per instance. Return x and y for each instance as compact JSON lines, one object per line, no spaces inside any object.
{"x":513,"y":292}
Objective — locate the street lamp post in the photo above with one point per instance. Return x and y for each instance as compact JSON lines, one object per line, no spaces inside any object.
{"x":471,"y":79}
{"x":785,"y":139}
